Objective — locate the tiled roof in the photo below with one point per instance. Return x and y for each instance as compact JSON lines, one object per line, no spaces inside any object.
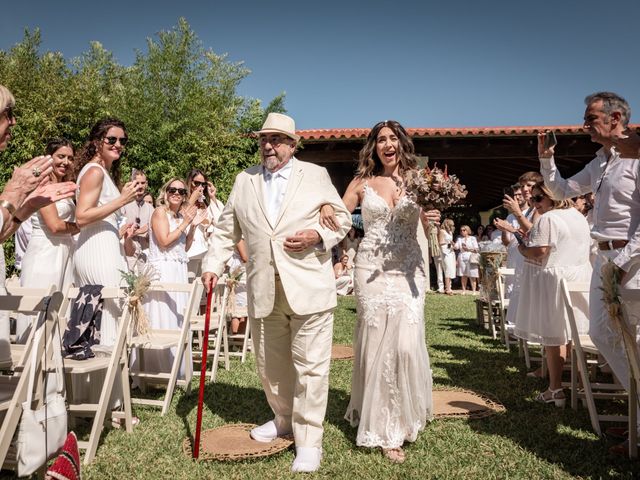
{"x":361,"y":133}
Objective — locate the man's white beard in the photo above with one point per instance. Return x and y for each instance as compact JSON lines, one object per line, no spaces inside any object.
{"x":271,"y":163}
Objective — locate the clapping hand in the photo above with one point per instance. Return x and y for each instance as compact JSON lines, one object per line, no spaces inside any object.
{"x":503,"y":225}
{"x":189,"y":213}
{"x":200,"y":217}
{"x":47,"y":193}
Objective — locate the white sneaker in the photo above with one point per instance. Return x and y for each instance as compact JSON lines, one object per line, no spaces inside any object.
{"x":307,"y":459}
{"x":267,"y":432}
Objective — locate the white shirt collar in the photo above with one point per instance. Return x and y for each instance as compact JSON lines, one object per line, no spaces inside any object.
{"x":284,"y":172}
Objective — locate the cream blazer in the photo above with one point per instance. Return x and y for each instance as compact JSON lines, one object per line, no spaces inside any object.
{"x":307,"y":277}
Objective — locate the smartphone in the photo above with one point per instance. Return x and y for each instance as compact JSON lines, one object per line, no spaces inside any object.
{"x":550,"y":139}
{"x":519,"y":238}
{"x":507,"y":191}
{"x":134,"y":174}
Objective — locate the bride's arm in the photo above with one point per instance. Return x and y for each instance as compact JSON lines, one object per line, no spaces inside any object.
{"x":351,"y":200}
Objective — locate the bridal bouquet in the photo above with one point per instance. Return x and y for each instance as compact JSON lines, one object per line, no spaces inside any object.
{"x":432,"y":188}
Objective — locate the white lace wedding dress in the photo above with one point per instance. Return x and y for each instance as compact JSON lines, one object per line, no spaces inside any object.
{"x":391,"y":386}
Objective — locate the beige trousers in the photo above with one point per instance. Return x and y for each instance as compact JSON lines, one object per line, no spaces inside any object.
{"x":293,"y":353}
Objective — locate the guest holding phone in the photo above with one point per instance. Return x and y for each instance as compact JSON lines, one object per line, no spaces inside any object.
{"x":138,"y":214}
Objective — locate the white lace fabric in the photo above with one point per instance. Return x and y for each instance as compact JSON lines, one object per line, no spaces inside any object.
{"x":391,"y":387}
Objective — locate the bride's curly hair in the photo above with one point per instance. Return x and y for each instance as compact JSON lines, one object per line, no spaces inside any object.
{"x":369,"y":164}
{"x":90,"y":148}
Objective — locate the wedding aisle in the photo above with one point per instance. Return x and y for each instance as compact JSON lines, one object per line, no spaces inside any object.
{"x":527,"y":440}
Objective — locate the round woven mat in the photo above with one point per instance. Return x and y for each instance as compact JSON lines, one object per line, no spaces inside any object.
{"x":232,"y":442}
{"x":341,"y":352}
{"x":463,"y":403}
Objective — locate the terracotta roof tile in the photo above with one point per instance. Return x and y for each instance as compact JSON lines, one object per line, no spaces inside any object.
{"x":361,"y":133}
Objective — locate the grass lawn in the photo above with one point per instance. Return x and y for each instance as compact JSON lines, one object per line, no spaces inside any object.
{"x":529,"y":440}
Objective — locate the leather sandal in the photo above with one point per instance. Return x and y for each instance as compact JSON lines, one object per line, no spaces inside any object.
{"x":556,"y":396}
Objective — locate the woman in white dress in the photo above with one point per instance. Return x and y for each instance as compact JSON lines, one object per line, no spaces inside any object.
{"x":343,"y":274}
{"x":46,"y":261}
{"x":466,"y":245}
{"x":558,"y":248}
{"x":447,"y":254}
{"x":172,"y":232}
{"x":98,"y":258}
{"x":202,"y":193}
{"x":391,"y":398}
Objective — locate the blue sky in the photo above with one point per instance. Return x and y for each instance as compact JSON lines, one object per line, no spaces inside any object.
{"x":350,"y":64}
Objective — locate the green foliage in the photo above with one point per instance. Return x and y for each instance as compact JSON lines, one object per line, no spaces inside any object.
{"x":178,"y":100}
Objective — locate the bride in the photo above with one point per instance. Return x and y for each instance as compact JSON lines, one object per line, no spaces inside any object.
{"x":391,"y":384}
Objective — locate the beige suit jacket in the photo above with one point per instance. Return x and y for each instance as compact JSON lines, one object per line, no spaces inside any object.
{"x":307,"y":277}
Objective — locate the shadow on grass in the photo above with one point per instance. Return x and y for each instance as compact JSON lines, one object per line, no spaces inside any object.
{"x":238,"y":404}
{"x":561,"y":437}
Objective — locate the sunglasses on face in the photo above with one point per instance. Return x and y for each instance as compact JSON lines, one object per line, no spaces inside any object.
{"x":9,"y":113}
{"x":538,"y":198}
{"x":112,"y":140}
{"x":174,"y":190}
{"x":199,"y":184}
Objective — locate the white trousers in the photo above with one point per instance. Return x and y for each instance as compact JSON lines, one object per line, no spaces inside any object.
{"x":293,"y":353}
{"x":601,"y":330}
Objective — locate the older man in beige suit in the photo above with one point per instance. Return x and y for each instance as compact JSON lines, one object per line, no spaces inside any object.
{"x":291,"y":288}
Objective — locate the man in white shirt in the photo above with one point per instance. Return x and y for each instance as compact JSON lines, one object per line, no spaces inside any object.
{"x":615,"y":181}
{"x":291,"y":287}
{"x":139,"y":214}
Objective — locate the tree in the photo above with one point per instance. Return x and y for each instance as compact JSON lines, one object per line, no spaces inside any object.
{"x":178,"y":100}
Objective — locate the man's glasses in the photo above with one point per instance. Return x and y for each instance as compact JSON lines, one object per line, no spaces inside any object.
{"x":199,"y":184}
{"x":174,"y":190}
{"x":537,"y":198}
{"x":112,"y":140}
{"x":9,"y":113}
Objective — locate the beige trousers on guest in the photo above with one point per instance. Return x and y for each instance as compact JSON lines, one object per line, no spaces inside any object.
{"x":293,"y":353}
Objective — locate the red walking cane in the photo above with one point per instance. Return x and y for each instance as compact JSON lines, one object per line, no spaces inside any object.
{"x":203,"y":375}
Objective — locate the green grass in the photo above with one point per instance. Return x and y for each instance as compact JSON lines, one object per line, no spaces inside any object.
{"x":528,"y":440}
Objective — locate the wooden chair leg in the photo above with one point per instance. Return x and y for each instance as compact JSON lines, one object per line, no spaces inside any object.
{"x":633,"y":417}
{"x":574,"y":380}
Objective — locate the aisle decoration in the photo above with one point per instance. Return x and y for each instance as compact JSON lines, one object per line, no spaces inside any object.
{"x":432,"y":188}
{"x":233,"y":280}
{"x":137,"y":286}
{"x":492,"y":257}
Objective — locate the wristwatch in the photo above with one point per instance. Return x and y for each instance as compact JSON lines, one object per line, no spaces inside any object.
{"x":8,"y":206}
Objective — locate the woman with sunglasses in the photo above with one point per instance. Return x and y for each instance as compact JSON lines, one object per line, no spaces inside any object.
{"x":202,"y":193}
{"x":172,"y":232}
{"x":51,"y":239}
{"x":558,"y":248}
{"x":99,"y":258}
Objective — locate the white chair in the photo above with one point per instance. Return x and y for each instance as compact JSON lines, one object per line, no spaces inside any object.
{"x":159,"y":340}
{"x":115,"y":365}
{"x":14,"y":387}
{"x":218,"y":340}
{"x":582,"y":346}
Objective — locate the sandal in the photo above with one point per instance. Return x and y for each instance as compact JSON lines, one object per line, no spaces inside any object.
{"x":119,"y":422}
{"x":395,"y":455}
{"x":556,"y":396}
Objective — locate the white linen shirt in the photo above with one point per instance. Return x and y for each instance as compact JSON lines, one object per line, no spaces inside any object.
{"x":616,"y":212}
{"x":276,"y":187}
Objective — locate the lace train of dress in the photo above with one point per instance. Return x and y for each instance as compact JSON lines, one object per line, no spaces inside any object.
{"x":391,"y":398}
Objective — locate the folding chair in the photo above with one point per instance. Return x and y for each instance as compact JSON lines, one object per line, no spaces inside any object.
{"x":113,"y":365}
{"x":217,"y":331}
{"x":14,"y":387}
{"x":581,"y":346}
{"x":630,"y":299}
{"x":162,"y":340}
{"x":242,"y":340}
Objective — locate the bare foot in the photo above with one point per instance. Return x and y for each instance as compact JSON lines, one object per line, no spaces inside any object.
{"x":395,"y":455}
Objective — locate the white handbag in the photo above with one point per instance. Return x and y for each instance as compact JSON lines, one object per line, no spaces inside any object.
{"x":42,"y":432}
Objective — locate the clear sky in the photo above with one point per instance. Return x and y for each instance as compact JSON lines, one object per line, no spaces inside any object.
{"x":350,"y":64}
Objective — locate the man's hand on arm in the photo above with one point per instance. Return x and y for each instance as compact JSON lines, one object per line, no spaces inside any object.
{"x":302,"y":240}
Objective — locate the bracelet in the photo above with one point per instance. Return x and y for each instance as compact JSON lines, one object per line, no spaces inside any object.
{"x":16,"y":220}
{"x":8,"y":206}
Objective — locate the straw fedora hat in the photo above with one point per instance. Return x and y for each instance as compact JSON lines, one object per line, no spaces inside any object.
{"x":279,"y":123}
